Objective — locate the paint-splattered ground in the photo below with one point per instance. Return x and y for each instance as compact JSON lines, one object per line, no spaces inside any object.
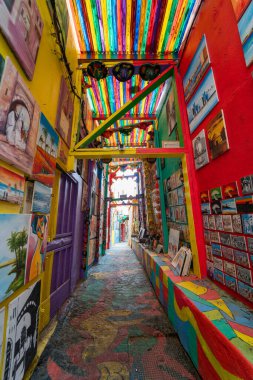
{"x":114,"y":328}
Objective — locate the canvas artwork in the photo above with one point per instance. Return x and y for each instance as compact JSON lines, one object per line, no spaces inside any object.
{"x":173,"y":242}
{"x":207,"y":236}
{"x":238,"y":242}
{"x":245,"y":290}
{"x":218,"y":263}
{"x":227,"y":223}
{"x":36,"y":246}
{"x":13,"y":237}
{"x":247,"y":184}
{"x":217,"y":136}
{"x":247,"y":223}
{"x":241,"y":258}
{"x":22,"y":332}
{"x":237,"y":224}
{"x":209,"y":268}
{"x":41,"y":198}
{"x":219,"y":222}
{"x":85,"y":196}
{"x":218,"y":275}
{"x":216,"y":207}
{"x":245,"y":26}
{"x":216,"y":249}
{"x":12,"y":186}
{"x":239,"y":7}
{"x":62,"y":15}
{"x":19,"y":119}
{"x":203,"y":101}
{"x":225,"y":238}
{"x":65,"y":113}
{"x":2,"y":315}
{"x":46,"y":153}
{"x":205,"y":221}
{"x":250,"y":244}
{"x":228,"y":206}
{"x":214,"y":237}
{"x":201,"y":157}
{"x":244,"y":204}
{"x":171,"y":111}
{"x":230,"y":282}
{"x":244,"y":274}
{"x":227,"y":253}
{"x":63,"y":152}
{"x":22,"y":25}
{"x":230,"y":190}
{"x":215,"y":193}
{"x":197,"y":68}
{"x":205,"y":208}
{"x":212,"y":224}
{"x":204,"y":196}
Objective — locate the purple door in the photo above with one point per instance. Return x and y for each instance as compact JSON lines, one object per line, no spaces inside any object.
{"x":62,"y":245}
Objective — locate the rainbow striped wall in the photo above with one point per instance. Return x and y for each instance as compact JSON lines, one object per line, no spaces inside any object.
{"x":215,"y":330}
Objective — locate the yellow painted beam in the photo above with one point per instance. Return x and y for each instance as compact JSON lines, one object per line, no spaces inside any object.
{"x":125,"y":108}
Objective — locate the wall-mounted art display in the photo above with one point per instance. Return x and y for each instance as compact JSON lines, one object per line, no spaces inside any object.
{"x":22,"y":332}
{"x":2,"y":315}
{"x":85,"y":196}
{"x":237,"y":223}
{"x":22,"y":25}
{"x":247,"y":223}
{"x":203,"y":101}
{"x":197,"y":68}
{"x":63,"y":152}
{"x":46,"y":153}
{"x":65,"y":113}
{"x":62,"y":15}
{"x":201,"y":157}
{"x":244,"y":204}
{"x":217,"y":136}
{"x":41,"y":198}
{"x":19,"y":119}
{"x":245,"y":26}
{"x":215,"y":193}
{"x":229,"y":206}
{"x":12,"y":186}
{"x":247,"y":184}
{"x":173,"y":242}
{"x":13,"y":242}
{"x":230,"y":190}
{"x":171,"y":110}
{"x":239,"y":7}
{"x":36,"y":247}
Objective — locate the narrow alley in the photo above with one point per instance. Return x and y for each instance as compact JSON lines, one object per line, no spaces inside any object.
{"x":113,"y":327}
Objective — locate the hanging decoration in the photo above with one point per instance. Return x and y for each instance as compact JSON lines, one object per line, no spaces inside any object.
{"x":97,"y":70}
{"x":149,"y":71}
{"x":123,"y":71}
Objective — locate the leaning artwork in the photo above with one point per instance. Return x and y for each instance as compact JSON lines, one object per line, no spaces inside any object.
{"x":12,"y":186}
{"x":19,"y":120}
{"x":22,"y":25}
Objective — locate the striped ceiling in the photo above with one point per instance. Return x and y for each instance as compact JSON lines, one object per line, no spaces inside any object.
{"x":147,"y":30}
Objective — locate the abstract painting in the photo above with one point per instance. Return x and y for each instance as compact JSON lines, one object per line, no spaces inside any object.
{"x":19,"y":120}
{"x":12,"y":186}
{"x":46,"y":153}
{"x":197,"y":68}
{"x":200,"y":150}
{"x":245,"y":27}
{"x":22,"y":25}
{"x":41,"y":198}
{"x":203,"y":101}
{"x":65,"y":113}
{"x":36,"y":247}
{"x":217,"y":136}
{"x":171,"y":111}
{"x":13,"y":238}
{"x":22,"y":332}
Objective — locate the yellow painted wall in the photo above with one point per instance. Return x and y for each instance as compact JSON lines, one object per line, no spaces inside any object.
{"x":45,"y":88}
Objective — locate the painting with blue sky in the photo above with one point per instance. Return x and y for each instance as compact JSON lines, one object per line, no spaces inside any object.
{"x":203,"y":101}
{"x":13,"y":242}
{"x":41,"y":198}
{"x":245,"y":27}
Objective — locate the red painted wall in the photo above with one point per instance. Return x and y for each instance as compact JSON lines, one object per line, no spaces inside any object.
{"x":234,"y":85}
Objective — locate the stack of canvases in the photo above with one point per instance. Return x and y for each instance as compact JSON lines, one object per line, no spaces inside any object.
{"x":30,"y":145}
{"x":228,"y":230}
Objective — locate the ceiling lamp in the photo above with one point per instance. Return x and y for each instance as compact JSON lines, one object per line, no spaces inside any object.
{"x":149,"y":71}
{"x":97,"y":70}
{"x":123,"y":71}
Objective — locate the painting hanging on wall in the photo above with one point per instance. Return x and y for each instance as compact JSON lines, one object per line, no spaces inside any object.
{"x":65,"y":113}
{"x":41,"y":198}
{"x":12,"y":186}
{"x":63,"y":152}
{"x":239,"y":7}
{"x":200,"y":150}
{"x":22,"y":332}
{"x":197,"y":68}
{"x":13,"y":238}
{"x":171,"y":110}
{"x":217,"y":136}
{"x":2,"y":315}
{"x":245,"y":27}
{"x":19,"y":119}
{"x":85,"y":196}
{"x":36,"y":247}
{"x":203,"y":101}
{"x":62,"y":15}
{"x":22,"y":25}
{"x":46,"y":153}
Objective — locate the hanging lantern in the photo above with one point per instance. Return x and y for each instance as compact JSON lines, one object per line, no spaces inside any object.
{"x":149,"y":72}
{"x":97,"y":70}
{"x":123,"y":71}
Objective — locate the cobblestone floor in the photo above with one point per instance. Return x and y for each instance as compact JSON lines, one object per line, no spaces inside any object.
{"x":113,"y":328}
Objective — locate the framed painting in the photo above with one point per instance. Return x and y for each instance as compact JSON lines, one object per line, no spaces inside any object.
{"x":65,"y":113}
{"x":12,"y":186}
{"x":203,"y":101}
{"x":171,"y":111}
{"x":46,"y":153}
{"x":63,"y":151}
{"x":245,"y":27}
{"x":200,"y":152}
{"x":41,"y":198}
{"x":22,"y":25}
{"x":19,"y":119}
{"x":217,"y":136}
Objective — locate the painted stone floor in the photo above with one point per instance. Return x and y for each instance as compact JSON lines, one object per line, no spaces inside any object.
{"x":113,"y":328}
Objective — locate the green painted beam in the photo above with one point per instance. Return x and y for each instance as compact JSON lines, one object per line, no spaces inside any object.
{"x":124,"y":109}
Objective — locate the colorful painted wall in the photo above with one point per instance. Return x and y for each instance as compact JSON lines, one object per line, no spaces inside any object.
{"x":37,"y":112}
{"x":216,"y":70}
